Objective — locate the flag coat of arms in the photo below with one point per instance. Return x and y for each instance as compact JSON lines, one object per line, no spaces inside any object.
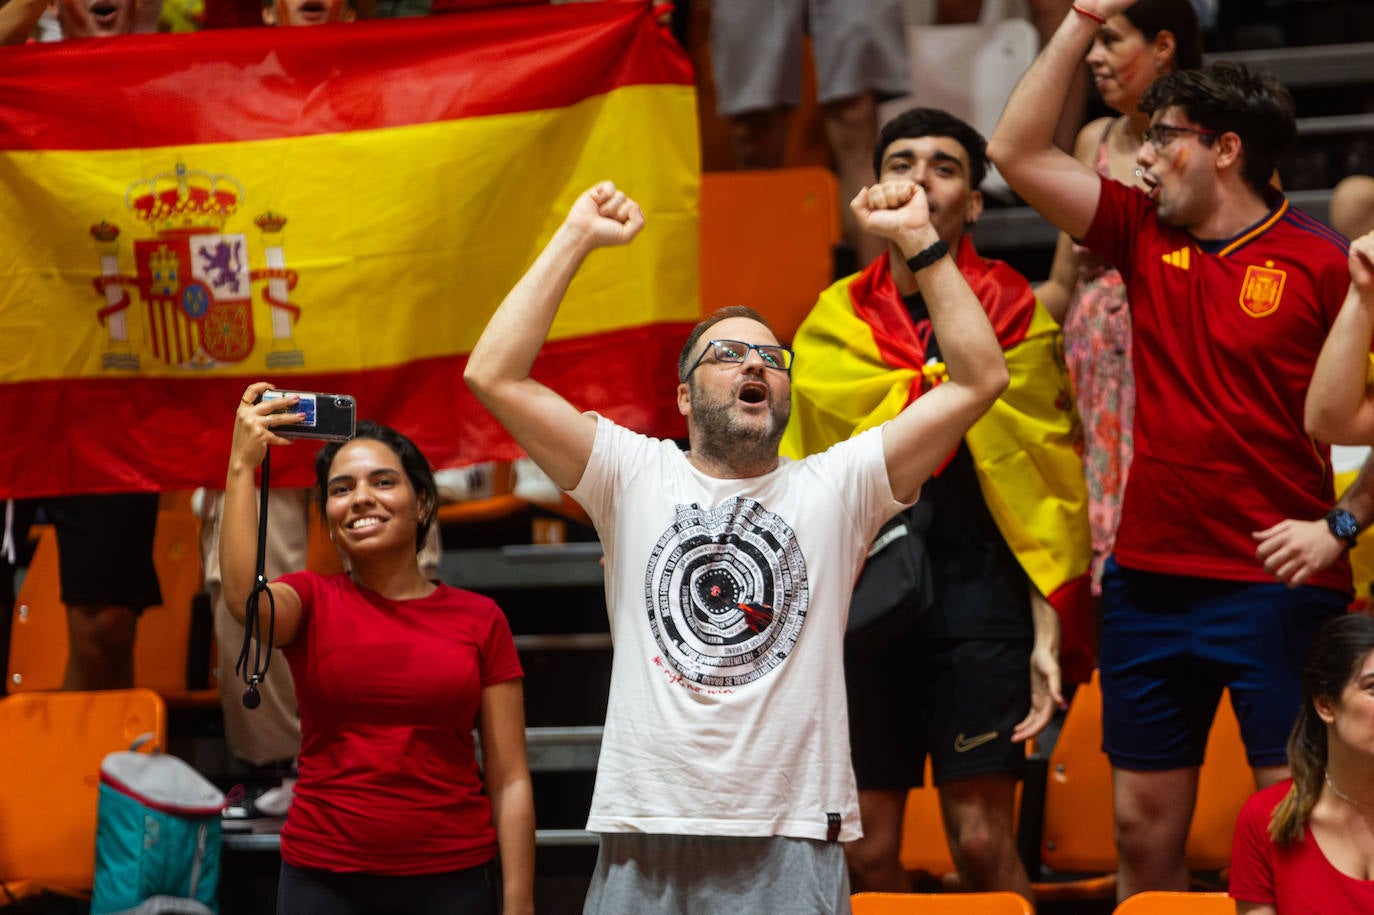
{"x":335,"y":209}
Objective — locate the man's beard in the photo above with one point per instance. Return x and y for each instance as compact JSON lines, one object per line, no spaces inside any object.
{"x":719,"y":433}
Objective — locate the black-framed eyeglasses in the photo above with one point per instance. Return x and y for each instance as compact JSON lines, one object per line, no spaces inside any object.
{"x":774,"y":355}
{"x":1161,"y":135}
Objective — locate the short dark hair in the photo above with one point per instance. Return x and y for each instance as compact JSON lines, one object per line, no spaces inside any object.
{"x":684,"y":361}
{"x":932,"y":122}
{"x":1178,"y":18}
{"x":1226,"y":97}
{"x":413,"y":462}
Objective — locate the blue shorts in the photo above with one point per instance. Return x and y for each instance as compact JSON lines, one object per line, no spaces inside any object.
{"x":1170,"y":644}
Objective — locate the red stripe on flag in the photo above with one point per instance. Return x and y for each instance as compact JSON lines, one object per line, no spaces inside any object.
{"x":115,"y":434}
{"x":256,"y":84}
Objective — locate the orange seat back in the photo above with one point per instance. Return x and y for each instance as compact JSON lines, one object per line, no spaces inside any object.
{"x":38,"y":633}
{"x":939,"y":904}
{"x":767,"y":240}
{"x":1079,"y":835}
{"x":1162,"y":903}
{"x":53,"y":745}
{"x":164,"y":631}
{"x":924,"y":846}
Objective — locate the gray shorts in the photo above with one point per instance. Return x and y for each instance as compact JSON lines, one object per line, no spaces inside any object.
{"x":642,"y":874}
{"x":756,"y":46}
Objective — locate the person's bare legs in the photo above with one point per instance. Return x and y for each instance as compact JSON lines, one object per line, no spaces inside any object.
{"x":101,"y":647}
{"x":1153,"y":812}
{"x":759,"y":138}
{"x":980,"y":821}
{"x":851,"y":126}
{"x":874,"y":861}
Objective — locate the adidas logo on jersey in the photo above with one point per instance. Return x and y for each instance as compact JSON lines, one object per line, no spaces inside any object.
{"x":1177,"y":258}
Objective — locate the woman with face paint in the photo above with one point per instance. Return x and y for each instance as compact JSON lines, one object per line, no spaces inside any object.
{"x":1132,"y":49}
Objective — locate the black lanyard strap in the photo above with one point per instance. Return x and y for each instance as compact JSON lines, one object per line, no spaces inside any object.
{"x":254,"y":646}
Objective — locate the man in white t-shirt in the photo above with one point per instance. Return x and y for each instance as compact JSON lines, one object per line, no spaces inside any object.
{"x":724,"y":783}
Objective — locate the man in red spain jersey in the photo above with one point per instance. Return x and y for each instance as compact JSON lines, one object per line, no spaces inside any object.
{"x":1232,"y":293}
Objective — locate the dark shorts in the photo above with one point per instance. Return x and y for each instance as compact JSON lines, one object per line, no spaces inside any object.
{"x":1170,"y":644}
{"x":955,"y":700}
{"x":104,"y":545}
{"x":306,"y":891}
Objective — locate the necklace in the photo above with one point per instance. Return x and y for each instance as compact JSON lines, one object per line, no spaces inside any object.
{"x":1345,"y":797}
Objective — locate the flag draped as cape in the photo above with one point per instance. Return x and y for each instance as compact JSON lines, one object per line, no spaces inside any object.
{"x":864,"y":360}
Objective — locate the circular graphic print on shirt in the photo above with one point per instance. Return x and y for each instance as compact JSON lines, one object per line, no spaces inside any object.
{"x":726,"y":592}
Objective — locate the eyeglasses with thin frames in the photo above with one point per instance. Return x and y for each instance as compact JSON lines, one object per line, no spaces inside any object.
{"x":1161,"y":135}
{"x":774,"y":355}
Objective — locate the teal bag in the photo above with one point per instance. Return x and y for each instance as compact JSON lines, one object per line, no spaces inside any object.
{"x":157,"y":842}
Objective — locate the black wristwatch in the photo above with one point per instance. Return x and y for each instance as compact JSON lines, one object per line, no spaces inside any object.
{"x":1343,"y":525}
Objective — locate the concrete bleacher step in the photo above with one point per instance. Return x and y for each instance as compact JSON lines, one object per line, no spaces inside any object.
{"x":563,"y":749}
{"x":1314,"y":65}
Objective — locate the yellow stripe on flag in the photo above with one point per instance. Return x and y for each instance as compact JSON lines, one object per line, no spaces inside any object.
{"x":402,"y":240}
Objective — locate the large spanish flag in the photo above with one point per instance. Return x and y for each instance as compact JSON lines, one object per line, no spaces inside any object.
{"x":869,"y":361}
{"x":334,"y":209}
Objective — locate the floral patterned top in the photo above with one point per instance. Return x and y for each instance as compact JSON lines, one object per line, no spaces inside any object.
{"x":1097,"y":348}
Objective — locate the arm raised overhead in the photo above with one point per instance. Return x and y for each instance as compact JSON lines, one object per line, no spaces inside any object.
{"x":551,"y":430}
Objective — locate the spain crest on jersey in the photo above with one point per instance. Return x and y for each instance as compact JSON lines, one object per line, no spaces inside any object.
{"x":193,"y":278}
{"x":1261,"y":290}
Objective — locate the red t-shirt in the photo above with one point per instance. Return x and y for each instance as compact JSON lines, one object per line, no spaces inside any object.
{"x":389,"y":693}
{"x":1225,"y":338}
{"x":1296,"y":878}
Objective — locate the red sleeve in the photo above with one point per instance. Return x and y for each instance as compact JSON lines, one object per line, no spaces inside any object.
{"x":1120,"y":212}
{"x":1252,"y":851}
{"x":306,"y":585}
{"x":499,"y":660}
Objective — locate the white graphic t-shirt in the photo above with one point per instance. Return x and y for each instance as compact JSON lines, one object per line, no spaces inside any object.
{"x":727,"y":602}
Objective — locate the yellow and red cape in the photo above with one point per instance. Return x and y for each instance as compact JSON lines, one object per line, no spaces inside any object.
{"x":1026,"y":448}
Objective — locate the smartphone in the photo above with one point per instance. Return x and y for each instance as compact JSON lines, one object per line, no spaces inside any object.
{"x":328,"y":417}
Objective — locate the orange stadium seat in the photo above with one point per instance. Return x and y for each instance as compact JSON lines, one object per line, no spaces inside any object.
{"x":1077,"y":835}
{"x":38,"y":632}
{"x":38,"y":635}
{"x":53,"y":744}
{"x":754,"y":221}
{"x":924,"y":846}
{"x":939,"y":904}
{"x":1159,"y":903}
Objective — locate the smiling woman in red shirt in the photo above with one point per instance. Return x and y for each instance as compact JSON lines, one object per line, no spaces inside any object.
{"x":393,"y":673}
